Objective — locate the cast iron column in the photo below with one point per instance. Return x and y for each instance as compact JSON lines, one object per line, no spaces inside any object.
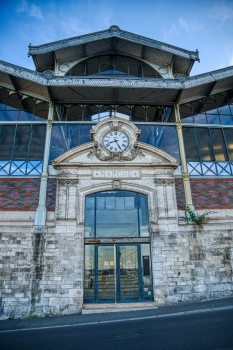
{"x":40,"y":214}
{"x":187,"y":189}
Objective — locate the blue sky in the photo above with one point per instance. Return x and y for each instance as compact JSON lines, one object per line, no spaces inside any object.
{"x":203,"y":25}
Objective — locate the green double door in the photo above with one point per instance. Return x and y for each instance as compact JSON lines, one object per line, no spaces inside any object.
{"x":117,"y":273}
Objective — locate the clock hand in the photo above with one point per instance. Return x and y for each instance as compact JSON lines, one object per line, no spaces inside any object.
{"x":117,"y":144}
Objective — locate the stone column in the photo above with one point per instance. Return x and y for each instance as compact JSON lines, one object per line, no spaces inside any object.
{"x":187,"y":189}
{"x":171,"y":201}
{"x":161,"y":198}
{"x":66,"y":199}
{"x":40,"y":215}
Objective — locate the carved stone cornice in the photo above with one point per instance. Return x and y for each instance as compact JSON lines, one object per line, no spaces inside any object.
{"x":115,"y":125}
{"x":112,"y":156}
{"x":67,"y":182}
{"x":164,"y":182}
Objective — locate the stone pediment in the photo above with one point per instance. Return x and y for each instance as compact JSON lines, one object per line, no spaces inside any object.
{"x":96,"y":154}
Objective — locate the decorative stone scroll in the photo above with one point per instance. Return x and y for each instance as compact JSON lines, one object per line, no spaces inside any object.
{"x":134,"y":152}
{"x":116,"y":184}
{"x":66,"y":182}
{"x":164,"y":181}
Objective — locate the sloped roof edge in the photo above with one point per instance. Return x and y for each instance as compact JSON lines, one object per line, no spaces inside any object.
{"x":111,"y":32}
{"x":181,"y":82}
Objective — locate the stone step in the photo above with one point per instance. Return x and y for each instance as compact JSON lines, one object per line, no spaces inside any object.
{"x":118,"y":307}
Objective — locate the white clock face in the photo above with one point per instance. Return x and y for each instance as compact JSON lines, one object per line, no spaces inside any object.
{"x":116,"y":141}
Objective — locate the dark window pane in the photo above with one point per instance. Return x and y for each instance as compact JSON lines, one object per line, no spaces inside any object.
{"x":57,"y":141}
{"x":149,"y":72}
{"x":211,"y":106}
{"x":145,"y":136}
{"x":91,"y":113}
{"x":191,"y":149}
{"x":151,"y":114}
{"x":157,"y":137}
{"x":36,"y":150}
{"x":185,"y":112}
{"x":229,"y":140}
{"x":27,"y":103}
{"x":41,"y":111}
{"x":6,"y":141}
{"x":198,"y":107}
{"x":213,"y":119}
{"x":204,"y":144}
{"x":138,"y":114}
{"x":3,"y":94}
{"x":221,"y":99}
{"x":77,"y":70}
{"x":123,"y":112}
{"x":74,"y":113}
{"x":219,"y":145}
{"x":113,"y":65}
{"x":171,"y":141}
{"x":226,"y":120}
{"x":11,"y":115}
{"x":60,"y":113}
{"x":13,"y":102}
{"x":85,"y":133}
{"x":72,"y":136}
{"x":21,"y":145}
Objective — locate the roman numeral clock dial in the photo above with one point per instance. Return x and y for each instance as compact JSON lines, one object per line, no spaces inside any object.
{"x":116,"y":141}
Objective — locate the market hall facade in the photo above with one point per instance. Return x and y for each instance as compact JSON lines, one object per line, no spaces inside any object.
{"x":102,"y":147}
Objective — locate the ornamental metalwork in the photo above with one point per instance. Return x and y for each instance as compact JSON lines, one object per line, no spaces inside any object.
{"x":113,"y":32}
{"x":210,"y":168}
{"x":17,"y":168}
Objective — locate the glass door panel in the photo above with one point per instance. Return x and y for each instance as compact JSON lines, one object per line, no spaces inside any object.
{"x":89,"y":273}
{"x":106,"y":273}
{"x":128,"y":276}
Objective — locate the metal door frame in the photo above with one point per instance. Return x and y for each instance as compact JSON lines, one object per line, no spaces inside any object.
{"x":118,"y":298}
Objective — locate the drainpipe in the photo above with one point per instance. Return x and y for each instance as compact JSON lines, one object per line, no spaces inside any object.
{"x":40,"y":214}
{"x":187,"y":188}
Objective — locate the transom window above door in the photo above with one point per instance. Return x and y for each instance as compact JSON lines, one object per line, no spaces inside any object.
{"x":116,"y":214}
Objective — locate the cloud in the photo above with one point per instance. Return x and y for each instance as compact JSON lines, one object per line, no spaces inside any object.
{"x":189,"y":27}
{"x":222,"y":11}
{"x":32,"y":10}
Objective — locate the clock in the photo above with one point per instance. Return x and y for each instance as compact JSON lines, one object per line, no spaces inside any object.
{"x":115,"y":141}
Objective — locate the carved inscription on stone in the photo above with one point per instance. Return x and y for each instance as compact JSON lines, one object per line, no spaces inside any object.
{"x":113,"y":174}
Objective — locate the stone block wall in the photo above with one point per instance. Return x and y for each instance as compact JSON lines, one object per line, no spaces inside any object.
{"x":191,"y":265}
{"x":41,"y":270}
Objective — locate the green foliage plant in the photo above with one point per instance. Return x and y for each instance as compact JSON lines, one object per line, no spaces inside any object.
{"x":195,"y":218}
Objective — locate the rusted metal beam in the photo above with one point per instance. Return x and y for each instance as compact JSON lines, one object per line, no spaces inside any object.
{"x":116,"y":240}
